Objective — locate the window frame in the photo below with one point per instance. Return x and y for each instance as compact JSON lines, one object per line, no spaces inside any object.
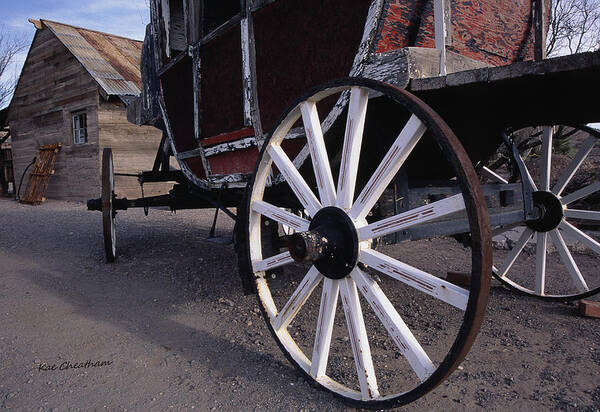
{"x":77,"y":131}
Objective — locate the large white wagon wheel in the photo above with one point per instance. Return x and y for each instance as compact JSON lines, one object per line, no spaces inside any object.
{"x":403,"y":334}
{"x":556,"y":256}
{"x":108,"y":213}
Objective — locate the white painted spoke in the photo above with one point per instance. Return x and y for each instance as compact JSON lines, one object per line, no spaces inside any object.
{"x":272,"y":262}
{"x":540,"y":262}
{"x":318,"y":152}
{"x":577,"y":234}
{"x":568,"y":261}
{"x":529,"y":178}
{"x":412,"y":217}
{"x":581,"y":193}
{"x":567,"y":175}
{"x":359,"y":340}
{"x":546,"y":158}
{"x":357,"y":111}
{"x":582,"y":214}
{"x":329,"y":298}
{"x":298,"y":298}
{"x":514,"y":253}
{"x":416,"y":278}
{"x":389,"y":166}
{"x":501,"y":229}
{"x":281,"y":216}
{"x":493,"y":176}
{"x":393,"y":323}
{"x":297,"y":183}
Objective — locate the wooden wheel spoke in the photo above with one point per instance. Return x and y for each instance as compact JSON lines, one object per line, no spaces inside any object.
{"x":393,"y":323}
{"x":581,"y":193}
{"x":357,"y":111}
{"x":389,"y":166}
{"x":322,"y":344}
{"x":298,"y":298}
{"x":501,"y":229}
{"x":546,"y":157}
{"x":540,"y":262}
{"x":528,"y":178}
{"x":297,"y":183}
{"x":318,"y":152}
{"x":412,"y":217}
{"x":514,"y":253}
{"x":577,"y":234}
{"x":416,"y":278}
{"x":582,"y":214}
{"x":358,"y":338}
{"x":493,"y":176}
{"x":281,"y":216}
{"x":570,"y":171}
{"x":568,"y":261}
{"x":273,"y":262}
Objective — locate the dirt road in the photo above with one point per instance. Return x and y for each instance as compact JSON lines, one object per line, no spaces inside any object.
{"x":166,"y":326}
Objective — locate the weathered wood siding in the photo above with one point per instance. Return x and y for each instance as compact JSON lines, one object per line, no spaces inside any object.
{"x":134,"y":149}
{"x":53,"y":85}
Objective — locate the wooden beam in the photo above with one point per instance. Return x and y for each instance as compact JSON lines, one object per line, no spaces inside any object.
{"x":589,"y":308}
{"x":539,"y":27}
{"x":36,"y":23}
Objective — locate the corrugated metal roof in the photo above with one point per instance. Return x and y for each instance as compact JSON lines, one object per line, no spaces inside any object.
{"x":113,"y":61}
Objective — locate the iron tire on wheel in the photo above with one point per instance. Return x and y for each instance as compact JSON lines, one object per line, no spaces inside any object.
{"x":108,"y":213}
{"x":552,"y":272}
{"x":348,"y":218}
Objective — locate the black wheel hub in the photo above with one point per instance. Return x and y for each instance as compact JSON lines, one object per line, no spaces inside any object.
{"x":551,"y":212}
{"x":331,"y":243}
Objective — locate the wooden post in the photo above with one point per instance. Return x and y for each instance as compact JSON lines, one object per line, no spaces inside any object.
{"x":440,"y":32}
{"x":539,"y":27}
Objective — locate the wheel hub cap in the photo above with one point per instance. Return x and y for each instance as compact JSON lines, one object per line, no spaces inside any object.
{"x":331,"y":243}
{"x":551,"y":212}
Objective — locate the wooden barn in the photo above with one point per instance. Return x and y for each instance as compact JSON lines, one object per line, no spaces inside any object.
{"x":73,"y":90}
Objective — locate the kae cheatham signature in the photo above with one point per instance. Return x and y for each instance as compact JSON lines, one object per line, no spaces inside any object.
{"x":69,"y":365}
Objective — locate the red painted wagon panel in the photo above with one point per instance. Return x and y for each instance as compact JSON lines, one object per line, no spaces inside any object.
{"x":496,"y":32}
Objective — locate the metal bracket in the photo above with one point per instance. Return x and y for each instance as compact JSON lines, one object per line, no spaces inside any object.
{"x":527,"y":185}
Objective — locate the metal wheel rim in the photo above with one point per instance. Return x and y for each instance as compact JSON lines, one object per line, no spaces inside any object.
{"x":481,"y":257}
{"x":108,"y":216}
{"x":592,"y":141}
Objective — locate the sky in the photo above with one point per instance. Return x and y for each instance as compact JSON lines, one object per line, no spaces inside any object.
{"x":123,"y":17}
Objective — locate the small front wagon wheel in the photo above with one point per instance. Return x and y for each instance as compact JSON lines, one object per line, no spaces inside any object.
{"x":362,"y":323}
{"x":108,"y":213}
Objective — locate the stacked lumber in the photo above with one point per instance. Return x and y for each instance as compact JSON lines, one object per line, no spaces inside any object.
{"x":40,"y":175}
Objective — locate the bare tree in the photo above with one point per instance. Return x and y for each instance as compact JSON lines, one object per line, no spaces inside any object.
{"x":574,"y":27}
{"x":10,"y":47}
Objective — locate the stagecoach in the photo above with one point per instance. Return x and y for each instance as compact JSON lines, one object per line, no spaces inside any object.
{"x":357,"y":144}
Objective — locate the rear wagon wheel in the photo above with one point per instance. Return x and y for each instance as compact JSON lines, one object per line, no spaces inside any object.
{"x":556,"y":256}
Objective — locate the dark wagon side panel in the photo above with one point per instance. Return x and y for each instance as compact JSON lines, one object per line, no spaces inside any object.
{"x":303,"y":43}
{"x":221,"y":103}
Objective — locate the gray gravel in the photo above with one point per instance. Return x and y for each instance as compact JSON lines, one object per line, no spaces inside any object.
{"x":170,"y":320}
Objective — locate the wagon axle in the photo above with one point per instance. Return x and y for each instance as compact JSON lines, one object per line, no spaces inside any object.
{"x":331,"y":243}
{"x":550,"y":211}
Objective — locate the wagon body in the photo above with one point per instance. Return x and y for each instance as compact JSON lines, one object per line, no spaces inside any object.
{"x":367,"y":159}
{"x":228,"y":71}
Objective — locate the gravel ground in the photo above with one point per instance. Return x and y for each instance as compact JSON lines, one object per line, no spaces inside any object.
{"x":173,"y":329}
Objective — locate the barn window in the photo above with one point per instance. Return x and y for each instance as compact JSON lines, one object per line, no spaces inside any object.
{"x":80,"y":134}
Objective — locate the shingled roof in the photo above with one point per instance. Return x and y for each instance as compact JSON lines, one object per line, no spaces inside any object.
{"x":113,"y":61}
